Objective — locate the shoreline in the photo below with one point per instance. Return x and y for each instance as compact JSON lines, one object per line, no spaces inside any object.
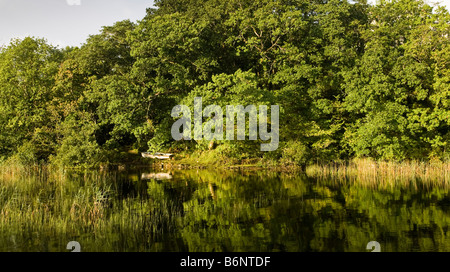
{"x":363,"y":169}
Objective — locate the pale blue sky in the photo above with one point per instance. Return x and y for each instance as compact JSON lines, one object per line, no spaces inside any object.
{"x":63,"y":24}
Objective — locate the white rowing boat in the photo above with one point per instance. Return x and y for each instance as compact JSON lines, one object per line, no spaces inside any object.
{"x":157,"y":155}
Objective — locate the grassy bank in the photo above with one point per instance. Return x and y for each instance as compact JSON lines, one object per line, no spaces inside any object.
{"x":219,"y":158}
{"x":362,"y":170}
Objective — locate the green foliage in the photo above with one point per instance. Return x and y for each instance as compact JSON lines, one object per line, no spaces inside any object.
{"x":27,"y":71}
{"x":78,"y":146}
{"x":296,"y":153}
{"x":351,"y":80}
{"x":391,"y":89}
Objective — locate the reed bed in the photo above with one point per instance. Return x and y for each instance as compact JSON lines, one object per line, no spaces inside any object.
{"x":376,"y":173}
{"x":40,"y":206}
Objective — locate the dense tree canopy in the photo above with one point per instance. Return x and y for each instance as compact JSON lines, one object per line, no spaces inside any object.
{"x":351,"y":80}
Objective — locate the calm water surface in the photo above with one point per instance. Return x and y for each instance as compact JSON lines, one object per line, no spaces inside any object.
{"x":210,"y":211}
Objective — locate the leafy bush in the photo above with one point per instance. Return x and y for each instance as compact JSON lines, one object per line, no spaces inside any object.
{"x":295,"y":153}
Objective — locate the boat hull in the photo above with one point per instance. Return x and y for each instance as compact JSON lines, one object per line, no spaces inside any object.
{"x":159,"y":156}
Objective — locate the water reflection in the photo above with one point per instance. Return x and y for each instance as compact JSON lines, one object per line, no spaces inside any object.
{"x":157,"y":176}
{"x":204,"y":210}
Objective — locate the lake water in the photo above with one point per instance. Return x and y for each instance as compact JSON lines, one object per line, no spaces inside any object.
{"x":217,"y":210}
